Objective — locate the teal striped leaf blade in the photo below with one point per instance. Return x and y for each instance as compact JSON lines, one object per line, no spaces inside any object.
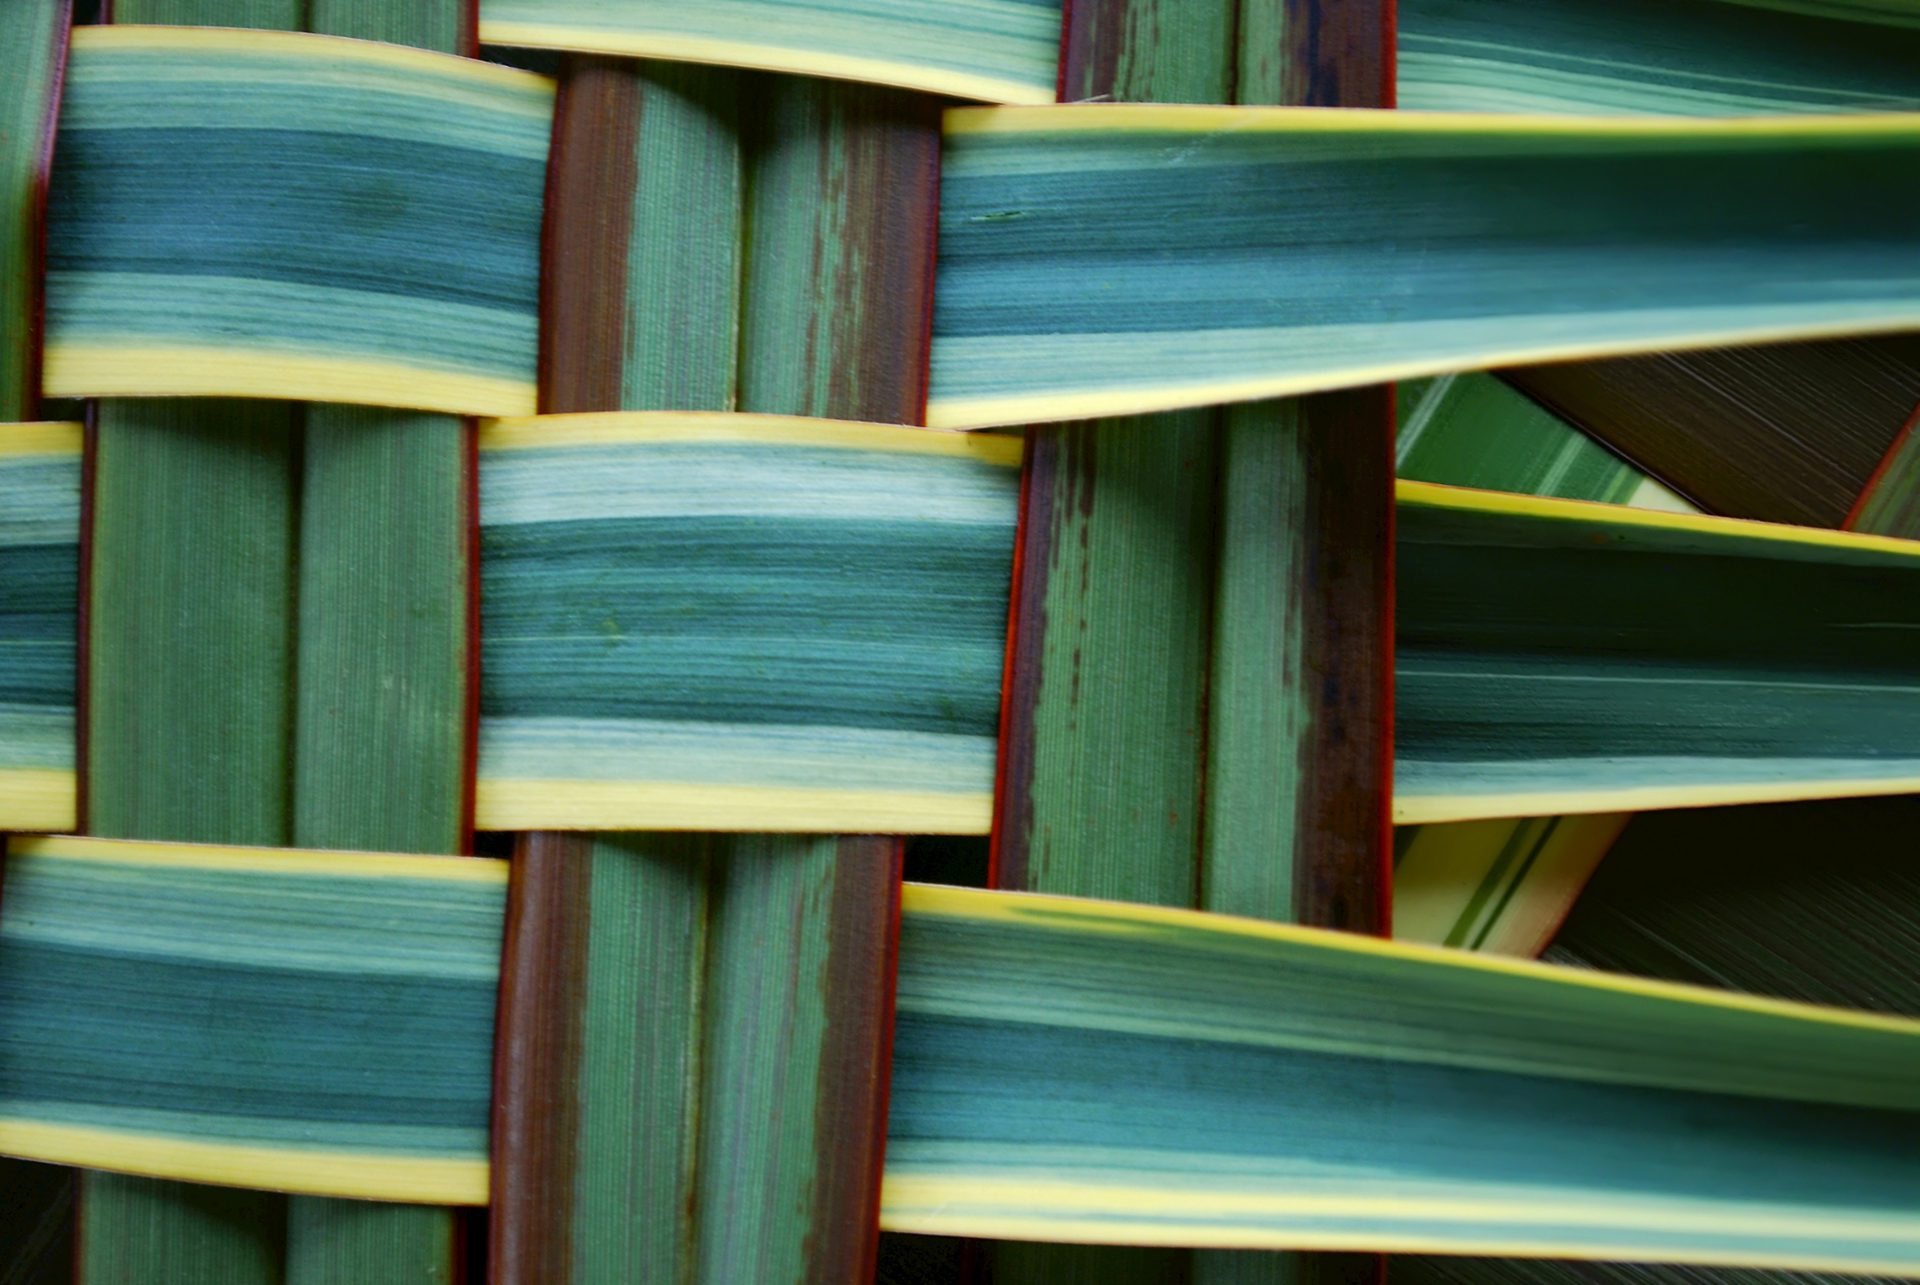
{"x":317,"y":1022}
{"x":39,"y":597}
{"x":1670,"y":57}
{"x":1075,"y":1070}
{"x":1100,"y":260}
{"x":159,"y":1001}
{"x":1001,"y":51}
{"x":732,"y":622}
{"x":270,"y":214}
{"x":1502,"y":885}
{"x":1556,"y":656}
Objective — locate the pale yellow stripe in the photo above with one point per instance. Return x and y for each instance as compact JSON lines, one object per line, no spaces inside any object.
{"x":1177,"y":118}
{"x":1650,"y":494}
{"x":1422,"y":809}
{"x":297,"y":44}
{"x":980,"y":905}
{"x":33,"y":798}
{"x":1539,"y":905}
{"x":536,"y":432}
{"x":1441,"y":872}
{"x":87,"y":370}
{"x":754,"y":54}
{"x":507,"y":804}
{"x":956,"y":1218}
{"x":1586,"y":1210}
{"x":362,"y":1175}
{"x":41,"y":438}
{"x":271,"y":861}
{"x":1052,"y":406}
{"x":1437,"y":496}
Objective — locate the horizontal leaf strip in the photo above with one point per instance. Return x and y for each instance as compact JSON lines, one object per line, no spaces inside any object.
{"x":1268,"y":252}
{"x":999,"y":50}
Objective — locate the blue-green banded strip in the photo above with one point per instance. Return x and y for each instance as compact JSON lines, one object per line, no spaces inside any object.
{"x":251,"y":314}
{"x":39,"y":596}
{"x":1092,"y":1072}
{"x":1111,"y":259}
{"x":1578,"y":660}
{"x":709,"y":752}
{"x":744,"y":614}
{"x":298,"y":88}
{"x":283,"y":1005}
{"x":1668,"y":57}
{"x":1501,"y":885}
{"x":995,"y":50}
{"x":386,"y":249}
{"x":320,"y":207}
{"x":834,"y":621}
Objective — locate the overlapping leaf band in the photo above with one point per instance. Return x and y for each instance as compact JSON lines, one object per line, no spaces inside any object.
{"x":248,"y":213}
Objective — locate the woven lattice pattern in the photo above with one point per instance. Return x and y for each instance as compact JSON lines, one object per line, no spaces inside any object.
{"x":964,"y":641}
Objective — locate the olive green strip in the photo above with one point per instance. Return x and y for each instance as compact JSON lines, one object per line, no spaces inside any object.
{"x":380,"y":729}
{"x":682,"y":320}
{"x":1117,"y":726}
{"x":31,"y":42}
{"x":1112,"y":659}
{"x":381,"y":675}
{"x":379,"y":587}
{"x":839,"y":220}
{"x":189,"y":727}
{"x":1151,"y":51}
{"x":272,"y":15}
{"x":189,"y":735}
{"x":189,"y":722}
{"x":635,"y":1205}
{"x":841,"y":187}
{"x":1258,"y":742}
{"x":441,"y":25}
{"x":139,"y":1231}
{"x":382,"y":654}
{"x":775,"y":1012}
{"x":1129,"y":601}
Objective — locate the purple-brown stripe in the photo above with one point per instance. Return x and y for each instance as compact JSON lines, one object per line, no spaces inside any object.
{"x":883,"y":371}
{"x":591,"y":176}
{"x":537,"y":1056}
{"x":1339,"y":53}
{"x":1026,"y":629}
{"x":850,"y":1108}
{"x":1343,"y":843}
